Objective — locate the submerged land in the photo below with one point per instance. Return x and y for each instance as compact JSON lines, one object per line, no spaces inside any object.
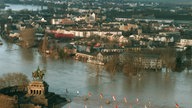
{"x":123,"y":36}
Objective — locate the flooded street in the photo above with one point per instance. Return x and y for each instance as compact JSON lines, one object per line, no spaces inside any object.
{"x":163,"y":90}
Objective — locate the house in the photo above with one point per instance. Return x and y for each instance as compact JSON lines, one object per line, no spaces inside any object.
{"x":70,"y":50}
{"x":185,"y":42}
{"x":145,"y":61}
{"x":128,"y":27}
{"x":98,"y":59}
{"x":14,"y":33}
{"x":151,"y":62}
{"x":102,"y":57}
{"x":122,"y":39}
{"x":62,"y":21}
{"x":90,"y":18}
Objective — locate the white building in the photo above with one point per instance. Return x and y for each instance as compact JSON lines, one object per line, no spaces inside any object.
{"x":186,"y":42}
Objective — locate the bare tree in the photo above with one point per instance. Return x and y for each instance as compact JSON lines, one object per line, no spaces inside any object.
{"x":168,"y":57}
{"x":132,"y":64}
{"x":113,"y":65}
{"x":128,"y":67}
{"x":27,"y":37}
{"x":13,"y":79}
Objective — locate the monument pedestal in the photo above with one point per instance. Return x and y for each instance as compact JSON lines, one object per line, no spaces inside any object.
{"x":38,"y":92}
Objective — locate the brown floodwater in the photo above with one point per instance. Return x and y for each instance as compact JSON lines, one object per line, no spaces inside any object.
{"x":162,"y":90}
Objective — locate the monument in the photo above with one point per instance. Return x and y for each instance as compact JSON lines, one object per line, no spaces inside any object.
{"x":35,"y":95}
{"x":37,"y":87}
{"x":37,"y":91}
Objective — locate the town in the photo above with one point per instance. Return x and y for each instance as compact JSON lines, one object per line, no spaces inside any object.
{"x":124,"y":36}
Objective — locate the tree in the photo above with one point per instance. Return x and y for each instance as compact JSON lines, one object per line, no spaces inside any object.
{"x":179,"y":61}
{"x":168,"y":57}
{"x":128,"y":67}
{"x":188,"y":58}
{"x":132,"y":64}
{"x":113,"y":65}
{"x":13,"y":79}
{"x":9,"y":11}
{"x":27,"y":37}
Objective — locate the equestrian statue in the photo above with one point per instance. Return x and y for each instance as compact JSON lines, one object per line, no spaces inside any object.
{"x":38,"y":74}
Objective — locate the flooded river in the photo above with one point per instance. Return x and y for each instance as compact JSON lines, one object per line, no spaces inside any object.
{"x":18,"y":7}
{"x":163,"y":90}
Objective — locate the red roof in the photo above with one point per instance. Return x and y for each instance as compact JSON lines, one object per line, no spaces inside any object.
{"x":61,"y":35}
{"x":97,"y":45}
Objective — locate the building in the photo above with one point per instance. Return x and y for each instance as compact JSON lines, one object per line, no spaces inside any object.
{"x":146,"y":61}
{"x":98,"y":59}
{"x":186,"y":42}
{"x":151,"y":62}
{"x":128,"y":27}
{"x":62,"y":21}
